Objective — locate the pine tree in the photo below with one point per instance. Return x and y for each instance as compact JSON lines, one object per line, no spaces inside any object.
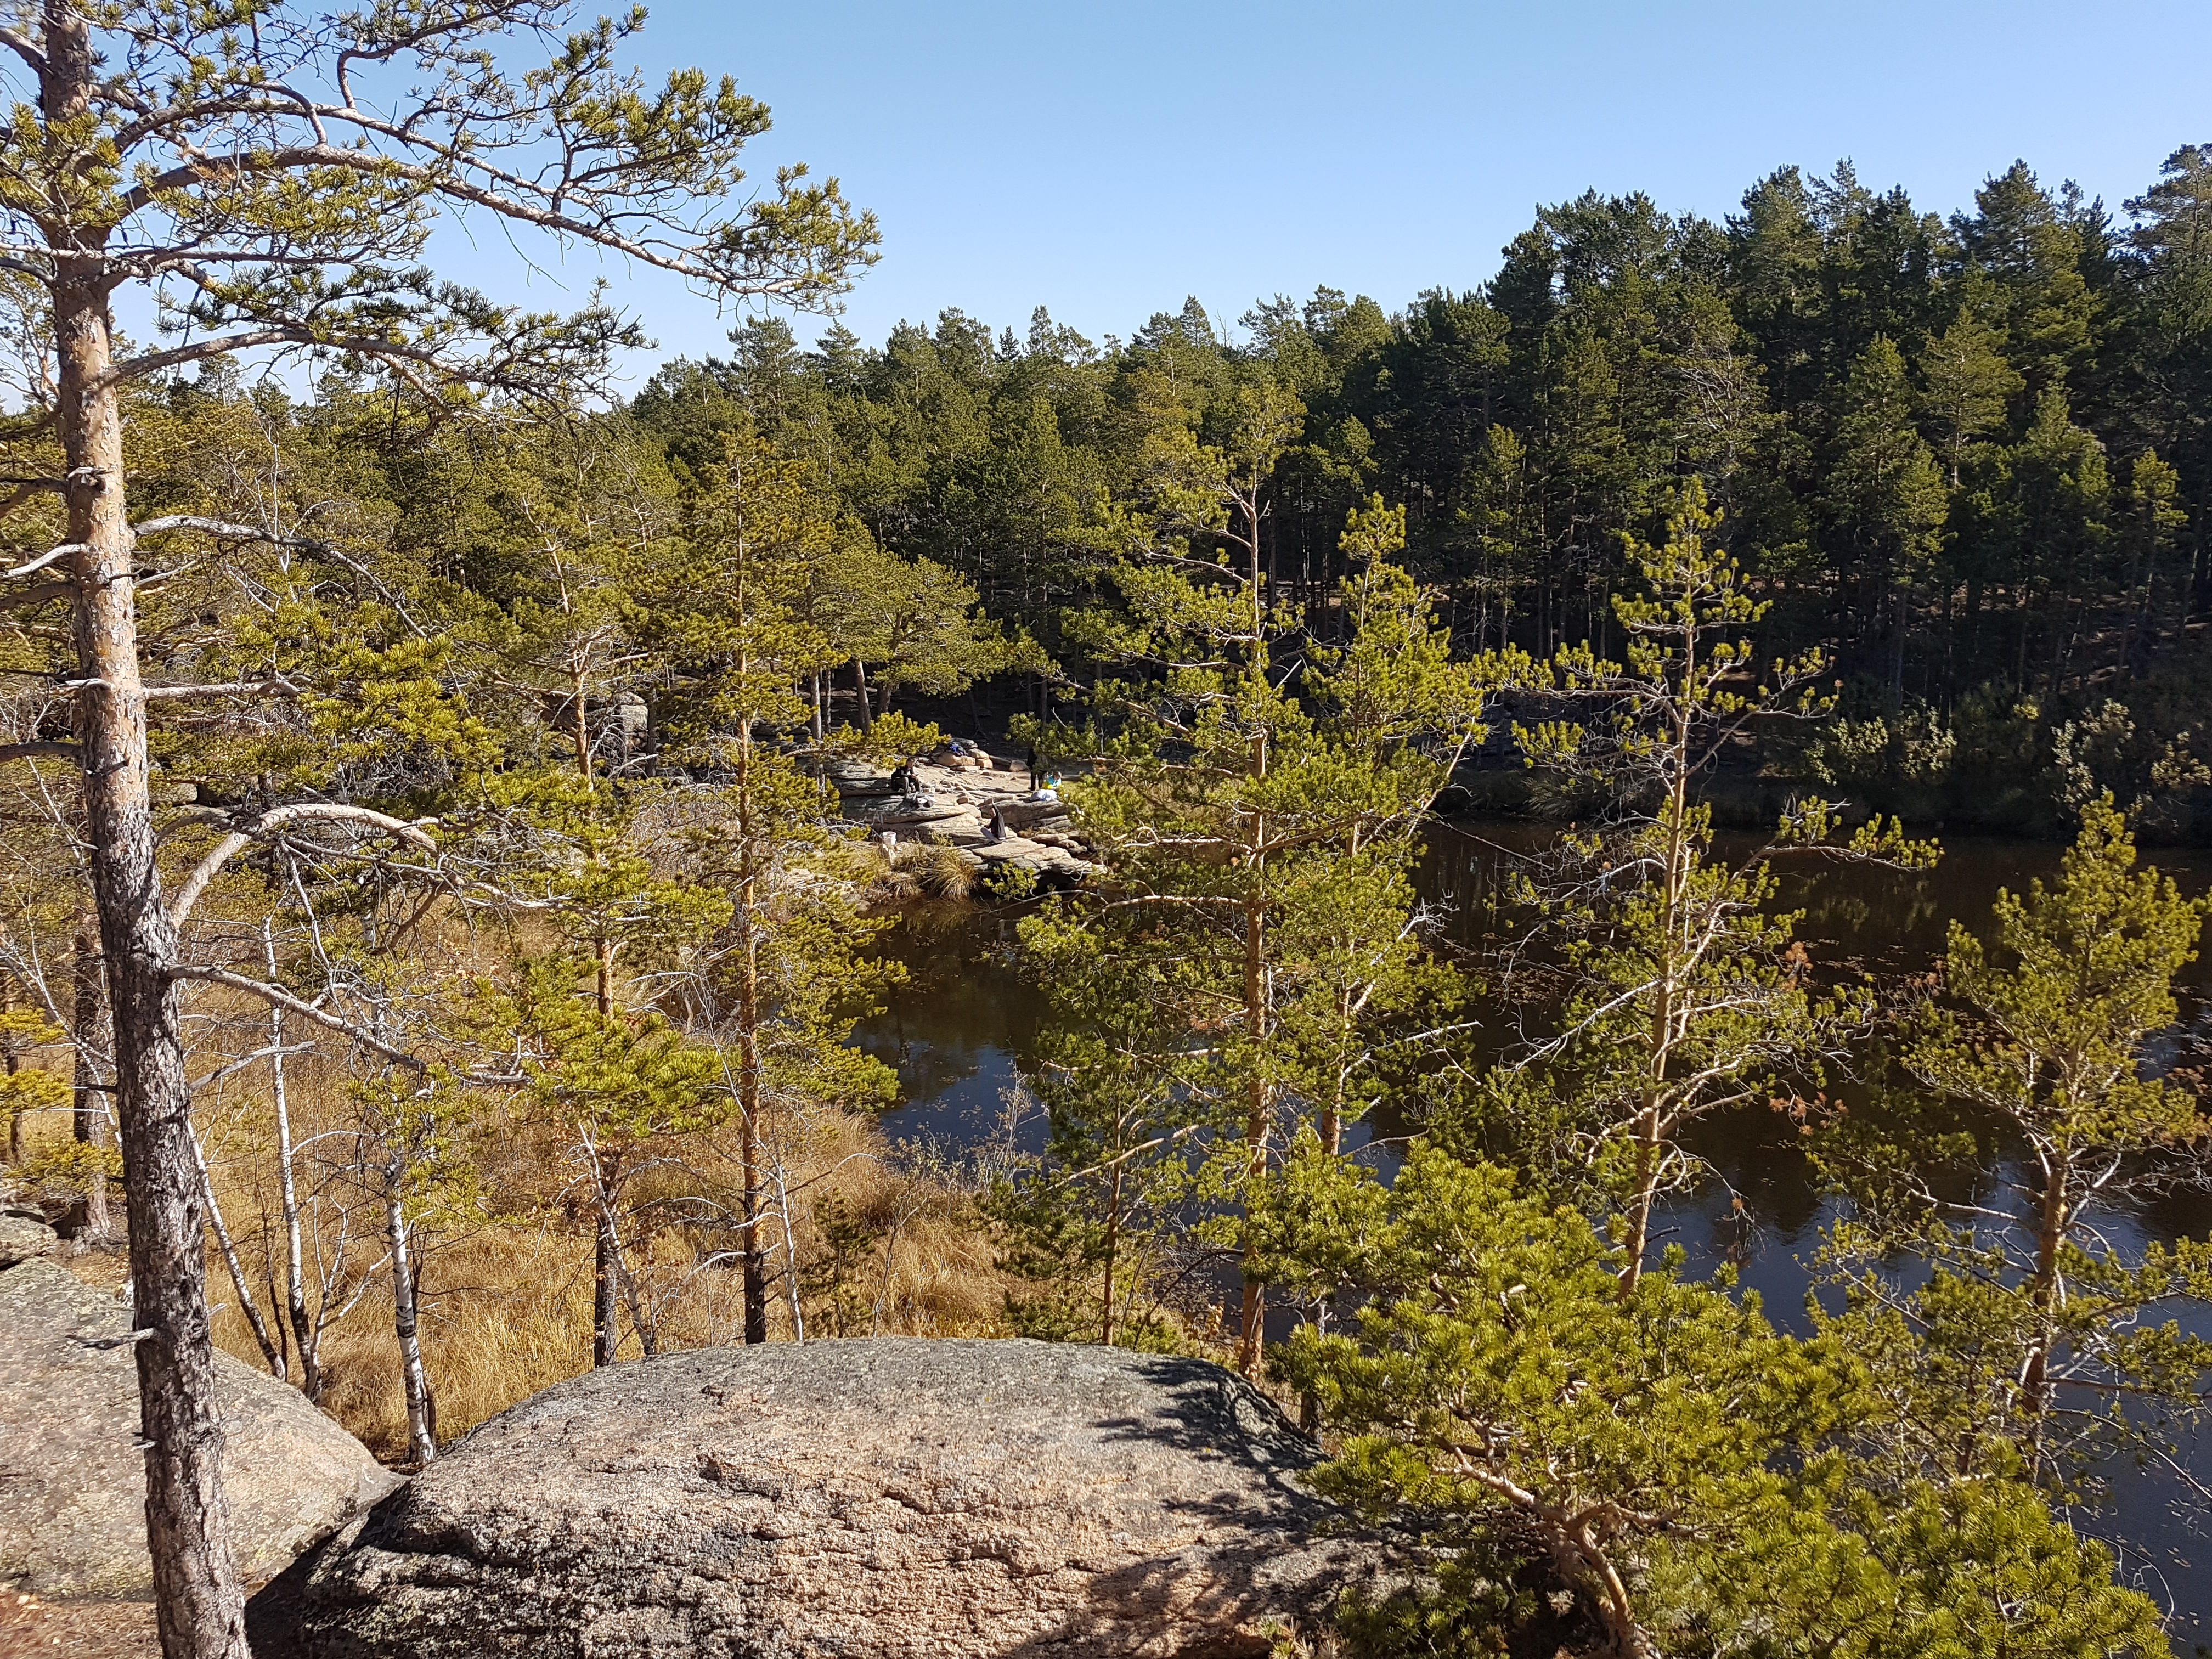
{"x":308,"y":237}
{"x":792,"y":975}
{"x":1886,"y":503}
{"x":1965,"y":385}
{"x":1258,"y":825}
{"x":1689,"y":1471}
{"x":2043,"y":1034}
{"x":1685,"y":995}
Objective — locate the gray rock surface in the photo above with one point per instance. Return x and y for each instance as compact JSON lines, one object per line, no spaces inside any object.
{"x":73,"y":1483}
{"x":1041,"y":857}
{"x":894,"y":1498}
{"x":23,"y":1236}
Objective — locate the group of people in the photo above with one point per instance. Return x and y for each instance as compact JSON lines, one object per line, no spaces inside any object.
{"x":914,"y":798}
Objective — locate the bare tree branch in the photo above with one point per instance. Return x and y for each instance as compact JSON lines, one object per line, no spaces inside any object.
{"x":195,"y":884}
{"x":290,"y":1004}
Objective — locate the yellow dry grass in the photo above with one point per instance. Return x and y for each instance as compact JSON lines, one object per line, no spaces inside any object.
{"x":507,"y":1274}
{"x":507,"y":1303}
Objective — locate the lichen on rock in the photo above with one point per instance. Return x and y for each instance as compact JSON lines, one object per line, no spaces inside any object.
{"x":897,"y":1498}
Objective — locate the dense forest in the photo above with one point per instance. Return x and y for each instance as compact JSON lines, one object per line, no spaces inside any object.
{"x":446,"y":855}
{"x":1966,"y":457}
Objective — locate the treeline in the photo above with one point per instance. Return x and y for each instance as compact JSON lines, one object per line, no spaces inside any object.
{"x":1968,"y":456}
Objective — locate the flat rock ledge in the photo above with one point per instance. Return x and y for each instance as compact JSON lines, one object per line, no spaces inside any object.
{"x":892,"y":1497}
{"x":72,"y":1480}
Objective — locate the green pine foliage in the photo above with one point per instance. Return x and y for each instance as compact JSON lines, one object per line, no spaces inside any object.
{"x":1688,"y":1469}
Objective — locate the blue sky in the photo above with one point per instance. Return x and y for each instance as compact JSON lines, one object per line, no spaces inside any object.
{"x":1105,"y":160}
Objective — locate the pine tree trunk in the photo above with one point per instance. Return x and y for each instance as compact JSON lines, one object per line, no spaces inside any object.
{"x":606,"y":1318}
{"x":749,"y":1054}
{"x":89,"y":1034}
{"x":15,"y":1065}
{"x":1259,"y":1107}
{"x":200,"y":1610}
{"x":2035,"y":1384}
{"x":1899,"y":615}
{"x":1112,"y":1245}
{"x":1651,"y":1126}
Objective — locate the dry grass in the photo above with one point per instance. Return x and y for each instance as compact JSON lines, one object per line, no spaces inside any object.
{"x":944,"y":872}
{"x":885,"y":1239}
{"x":507,"y":1313}
{"x":506,"y":1304}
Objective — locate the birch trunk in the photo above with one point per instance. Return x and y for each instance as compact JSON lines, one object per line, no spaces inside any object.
{"x":306,"y":1335}
{"x":422,"y":1409}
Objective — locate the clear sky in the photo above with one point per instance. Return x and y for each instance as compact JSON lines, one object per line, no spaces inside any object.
{"x":1107,"y":160}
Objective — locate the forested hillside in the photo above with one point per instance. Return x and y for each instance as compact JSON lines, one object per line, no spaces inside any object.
{"x":1966,"y":456}
{"x":458,"y":815}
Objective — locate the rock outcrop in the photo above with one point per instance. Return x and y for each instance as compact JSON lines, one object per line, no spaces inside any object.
{"x":72,"y":1481}
{"x":23,"y":1236}
{"x":893,"y":1498}
{"x":963,"y":795}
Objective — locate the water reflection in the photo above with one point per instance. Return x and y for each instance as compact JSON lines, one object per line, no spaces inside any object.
{"x":961,"y":1027}
{"x":967,"y":1020}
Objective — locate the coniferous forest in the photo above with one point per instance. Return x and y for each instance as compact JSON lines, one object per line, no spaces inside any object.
{"x":459,"y":809}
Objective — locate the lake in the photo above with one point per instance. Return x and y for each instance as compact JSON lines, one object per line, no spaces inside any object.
{"x":961,"y":1028}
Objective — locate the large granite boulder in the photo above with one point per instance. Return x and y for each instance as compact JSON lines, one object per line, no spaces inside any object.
{"x":894,"y":1499}
{"x":72,"y":1480}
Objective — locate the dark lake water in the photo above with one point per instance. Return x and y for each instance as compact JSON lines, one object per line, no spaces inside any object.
{"x":961,"y":1028}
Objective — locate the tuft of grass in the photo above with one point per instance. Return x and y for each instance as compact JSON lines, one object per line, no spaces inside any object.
{"x":946,"y":872}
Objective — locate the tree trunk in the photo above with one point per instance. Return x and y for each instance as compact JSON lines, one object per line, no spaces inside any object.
{"x":1252,"y":1314}
{"x":790,"y":1255}
{"x":1113,"y":1244}
{"x":861,"y":684}
{"x":200,"y":1609}
{"x":1900,"y":614}
{"x":306,"y":1338}
{"x":15,"y":1065}
{"x":1644,"y":1200}
{"x":88,"y":1035}
{"x":749,"y":1054}
{"x":606,"y":1318}
{"x":2035,"y":1384}
{"x":421,"y":1408}
{"x":1651,"y":1127}
{"x":263,"y":1336}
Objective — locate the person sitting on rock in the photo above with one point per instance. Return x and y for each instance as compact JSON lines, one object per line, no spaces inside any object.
{"x":998,"y":830}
